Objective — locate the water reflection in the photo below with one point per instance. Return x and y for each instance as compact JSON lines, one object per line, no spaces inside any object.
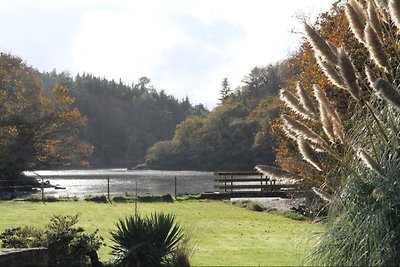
{"x":92,"y":182}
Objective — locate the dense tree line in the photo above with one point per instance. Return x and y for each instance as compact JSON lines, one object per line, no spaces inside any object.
{"x":37,"y":129}
{"x":123,"y":121}
{"x":234,"y":136}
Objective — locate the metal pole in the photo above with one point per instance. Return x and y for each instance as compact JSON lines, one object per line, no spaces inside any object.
{"x":42,"y":189}
{"x":108,"y":189}
{"x":175,"y":187}
{"x":136,"y":196}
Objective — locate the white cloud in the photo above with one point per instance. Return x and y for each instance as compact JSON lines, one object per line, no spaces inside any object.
{"x":185,"y":47}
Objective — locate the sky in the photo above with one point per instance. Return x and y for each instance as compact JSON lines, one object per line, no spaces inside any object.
{"x":185,"y":47}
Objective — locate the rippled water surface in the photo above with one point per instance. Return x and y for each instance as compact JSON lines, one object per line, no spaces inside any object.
{"x":92,"y":182}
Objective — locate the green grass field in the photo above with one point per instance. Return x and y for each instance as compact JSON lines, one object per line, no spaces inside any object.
{"x":221,"y":233}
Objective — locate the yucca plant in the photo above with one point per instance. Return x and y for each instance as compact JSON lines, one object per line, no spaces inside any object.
{"x":363,"y":224}
{"x":146,"y":241}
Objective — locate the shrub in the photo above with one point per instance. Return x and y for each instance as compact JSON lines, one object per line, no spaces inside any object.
{"x":151,"y":198}
{"x":148,"y":241}
{"x":98,"y":199}
{"x":255,"y":206}
{"x":67,"y":245}
{"x":40,"y":199}
{"x":22,"y":237}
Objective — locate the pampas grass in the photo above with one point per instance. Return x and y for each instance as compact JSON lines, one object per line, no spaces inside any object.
{"x":306,"y":100}
{"x":302,"y":130}
{"x":320,"y":45}
{"x":356,"y":22}
{"x":309,"y":154}
{"x":376,"y":49}
{"x":394,"y":10}
{"x":369,"y":161}
{"x":276,"y":173}
{"x":331,"y":73}
{"x":387,"y":92}
{"x":322,"y":194}
{"x":374,"y":20}
{"x":348,"y":73}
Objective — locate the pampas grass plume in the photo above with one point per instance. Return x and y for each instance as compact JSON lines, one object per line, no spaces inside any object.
{"x":375,"y":48}
{"x":319,"y":45}
{"x":387,"y":92}
{"x":308,"y":153}
{"x":331,"y":73}
{"x":394,"y":10}
{"x":369,"y":161}
{"x":293,"y":103}
{"x":276,"y":173}
{"x":305,"y":100}
{"x":322,"y":194}
{"x":371,"y":76}
{"x":348,"y":73}
{"x":302,"y":130}
{"x":356,"y":22}
{"x":374,"y":20}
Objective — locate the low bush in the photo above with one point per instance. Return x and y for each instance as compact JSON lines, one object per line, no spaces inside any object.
{"x":44,"y":199}
{"x":98,"y":199}
{"x":67,"y":245}
{"x":151,"y":198}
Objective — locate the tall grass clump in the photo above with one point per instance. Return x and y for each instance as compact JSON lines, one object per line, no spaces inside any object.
{"x":363,"y":223}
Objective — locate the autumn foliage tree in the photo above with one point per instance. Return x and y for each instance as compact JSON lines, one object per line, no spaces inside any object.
{"x":36,"y":129}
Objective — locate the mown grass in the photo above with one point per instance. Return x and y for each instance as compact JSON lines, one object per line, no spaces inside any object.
{"x":221,"y":234}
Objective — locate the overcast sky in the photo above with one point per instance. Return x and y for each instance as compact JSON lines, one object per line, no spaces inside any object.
{"x":185,"y":47}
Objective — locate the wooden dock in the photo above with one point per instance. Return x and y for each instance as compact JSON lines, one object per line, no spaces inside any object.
{"x":228,"y":184}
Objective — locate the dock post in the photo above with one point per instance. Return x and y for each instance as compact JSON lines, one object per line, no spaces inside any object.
{"x":175,"y":187}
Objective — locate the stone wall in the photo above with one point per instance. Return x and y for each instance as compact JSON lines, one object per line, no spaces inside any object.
{"x":23,"y":257}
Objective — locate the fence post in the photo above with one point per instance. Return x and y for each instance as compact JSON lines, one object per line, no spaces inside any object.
{"x":42,"y":189}
{"x":108,"y":188}
{"x":175,"y":187}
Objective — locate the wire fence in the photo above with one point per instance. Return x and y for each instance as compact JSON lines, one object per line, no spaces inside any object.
{"x":41,"y":186}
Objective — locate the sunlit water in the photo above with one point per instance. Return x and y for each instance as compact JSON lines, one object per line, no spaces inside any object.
{"x":94,"y":182}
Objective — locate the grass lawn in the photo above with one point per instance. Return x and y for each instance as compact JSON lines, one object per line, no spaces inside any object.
{"x":221,"y":234}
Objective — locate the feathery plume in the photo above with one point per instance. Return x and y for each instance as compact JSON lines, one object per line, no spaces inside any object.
{"x":369,"y":161}
{"x":302,"y":130}
{"x":394,"y":10}
{"x":371,"y":76}
{"x":376,"y":48}
{"x":288,"y":133}
{"x":305,"y":100}
{"x":356,"y":22}
{"x":374,"y":20}
{"x":359,"y":9}
{"x":382,"y":8}
{"x":327,"y":125}
{"x":319,"y":45}
{"x":331,"y":73}
{"x":348,"y":73}
{"x":325,"y":104}
{"x":293,"y":103}
{"x":333,"y":47}
{"x":308,"y":153}
{"x":322,"y":194}
{"x":276,"y":173}
{"x":387,"y":92}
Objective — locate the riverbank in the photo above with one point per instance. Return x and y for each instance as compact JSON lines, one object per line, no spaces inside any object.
{"x":221,"y":233}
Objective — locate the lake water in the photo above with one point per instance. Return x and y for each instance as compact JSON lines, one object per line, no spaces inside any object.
{"x":94,"y":182}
